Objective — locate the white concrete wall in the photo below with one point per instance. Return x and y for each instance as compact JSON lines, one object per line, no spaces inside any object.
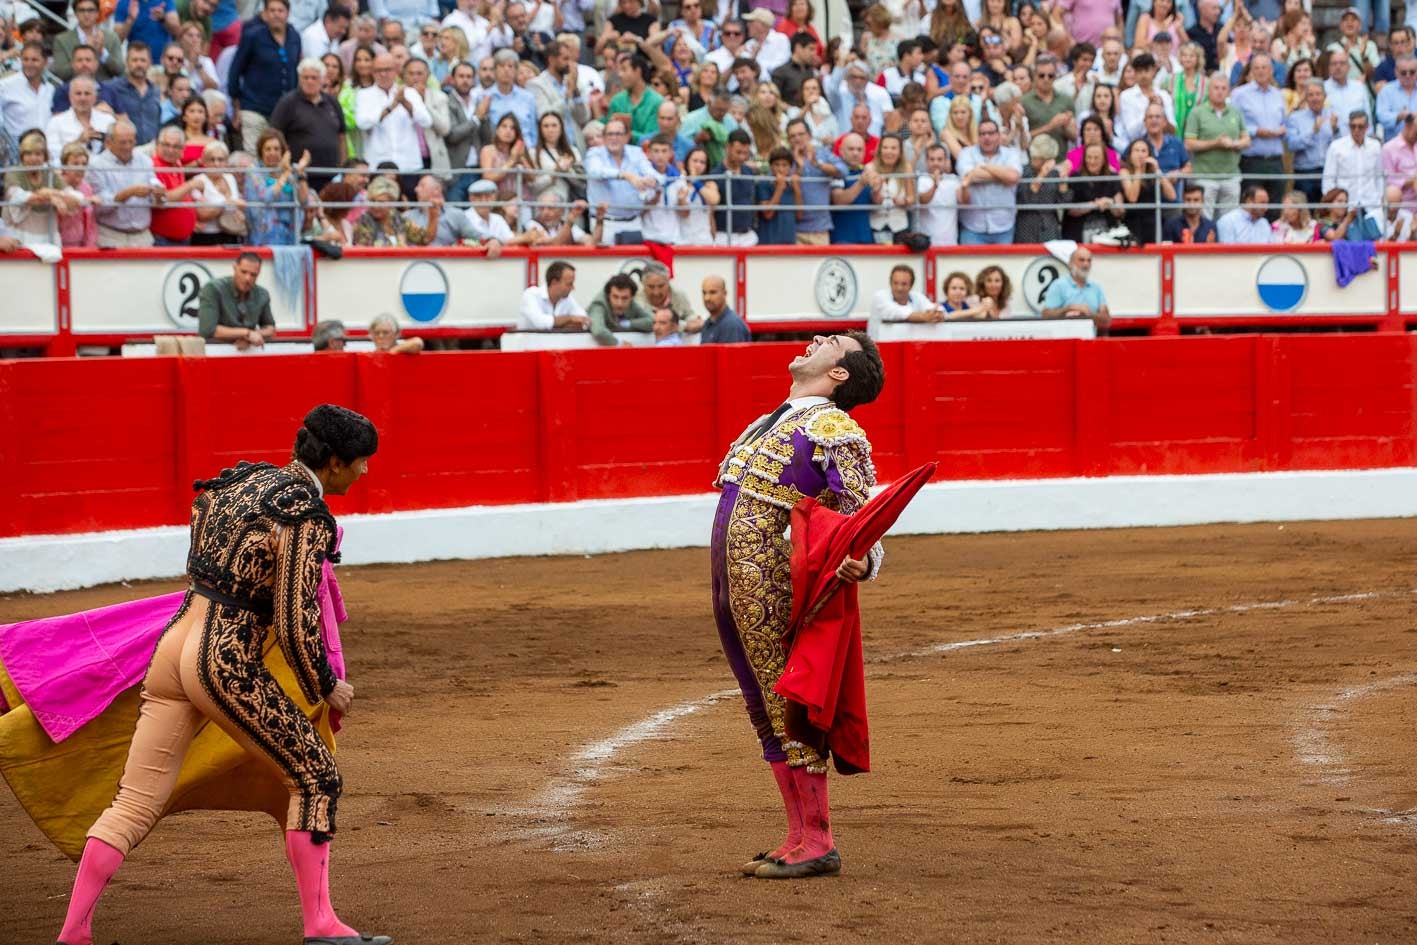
{"x":49,"y":563}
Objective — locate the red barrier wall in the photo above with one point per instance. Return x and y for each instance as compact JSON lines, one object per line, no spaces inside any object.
{"x":100,"y":444}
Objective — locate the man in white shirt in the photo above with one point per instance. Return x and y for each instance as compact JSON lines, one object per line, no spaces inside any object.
{"x":1346,"y":94}
{"x":474,"y":26}
{"x":940,"y":197}
{"x":552,"y":225}
{"x":26,"y":98}
{"x":909,"y":67}
{"x":733,"y":37}
{"x":1246,"y":223}
{"x":552,"y":308}
{"x":1133,"y":102}
{"x":901,"y":303}
{"x":765,"y":44}
{"x":325,"y":33}
{"x":1108,"y":68}
{"x":1355,"y":163}
{"x":388,"y":113}
{"x":82,"y":122}
{"x":489,"y":222}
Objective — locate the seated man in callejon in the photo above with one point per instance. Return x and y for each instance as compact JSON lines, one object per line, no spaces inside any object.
{"x":656,"y":292}
{"x":233,"y":308}
{"x":615,"y":309}
{"x":552,"y":308}
{"x":1076,"y":295}
{"x":901,"y":302}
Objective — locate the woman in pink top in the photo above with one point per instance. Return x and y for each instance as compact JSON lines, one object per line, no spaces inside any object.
{"x":78,"y":228}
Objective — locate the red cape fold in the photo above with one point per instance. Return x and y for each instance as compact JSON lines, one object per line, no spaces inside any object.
{"x":662,"y":252}
{"x":825,"y":678}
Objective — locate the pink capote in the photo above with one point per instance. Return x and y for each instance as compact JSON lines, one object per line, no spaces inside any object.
{"x":69,"y":669}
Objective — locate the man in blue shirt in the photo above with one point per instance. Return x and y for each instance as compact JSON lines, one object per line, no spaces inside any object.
{"x":263,"y":70}
{"x":1398,"y":99}
{"x":153,"y":22}
{"x":988,"y":173}
{"x":1191,"y":226}
{"x":1172,"y":158}
{"x":1246,"y":225}
{"x":853,"y":226}
{"x":779,"y":196}
{"x":817,"y":170}
{"x":1076,"y":295}
{"x":1308,"y":131}
{"x":1261,"y":103}
{"x":737,"y":185}
{"x":505,"y":97}
{"x":618,"y":173}
{"x":133,"y":96}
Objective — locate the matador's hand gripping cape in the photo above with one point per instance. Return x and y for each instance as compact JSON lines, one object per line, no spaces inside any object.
{"x":825,"y":678}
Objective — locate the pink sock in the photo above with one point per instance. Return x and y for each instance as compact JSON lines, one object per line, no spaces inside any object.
{"x":96,"y":867}
{"x":311,"y":863}
{"x":816,"y":816}
{"x":785,"y":784}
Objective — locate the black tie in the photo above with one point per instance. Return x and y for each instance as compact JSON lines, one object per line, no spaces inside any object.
{"x":768,"y":424}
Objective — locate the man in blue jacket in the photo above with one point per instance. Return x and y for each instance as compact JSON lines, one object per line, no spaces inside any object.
{"x":263,"y":70}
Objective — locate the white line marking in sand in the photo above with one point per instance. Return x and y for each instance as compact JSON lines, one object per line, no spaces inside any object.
{"x":595,"y":760}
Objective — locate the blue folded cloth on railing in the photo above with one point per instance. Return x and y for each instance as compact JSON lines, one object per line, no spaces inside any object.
{"x":293,"y":264}
{"x":1351,"y":260}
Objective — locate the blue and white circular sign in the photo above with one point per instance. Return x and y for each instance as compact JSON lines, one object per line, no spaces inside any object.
{"x":423,"y":289}
{"x":1282,"y":283}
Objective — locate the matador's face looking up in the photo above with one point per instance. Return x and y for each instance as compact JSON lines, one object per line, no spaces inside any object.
{"x":822,"y":355}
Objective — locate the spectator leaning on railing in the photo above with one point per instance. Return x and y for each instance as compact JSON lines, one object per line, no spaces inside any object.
{"x":615,"y":309}
{"x":234,"y":308}
{"x":553,"y":308}
{"x":1246,"y":223}
{"x":1076,"y":295}
{"x":901,"y":302}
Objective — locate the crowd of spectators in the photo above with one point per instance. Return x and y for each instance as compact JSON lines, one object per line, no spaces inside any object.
{"x":697,"y":122}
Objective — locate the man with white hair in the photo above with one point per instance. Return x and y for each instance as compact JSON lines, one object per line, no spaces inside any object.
{"x":82,"y":122}
{"x":1076,"y":295}
{"x":127,"y":187}
{"x":505,"y":97}
{"x":1215,"y":135}
{"x":366,"y":33}
{"x":453,"y":224}
{"x":312,"y":120}
{"x":1397,"y":101}
{"x":851,"y":85}
{"x":389,"y":114}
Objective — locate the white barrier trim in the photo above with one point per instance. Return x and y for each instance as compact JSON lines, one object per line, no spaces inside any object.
{"x":44,"y":563}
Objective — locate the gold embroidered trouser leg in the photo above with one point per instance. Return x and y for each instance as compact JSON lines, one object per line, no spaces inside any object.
{"x":760,"y":597}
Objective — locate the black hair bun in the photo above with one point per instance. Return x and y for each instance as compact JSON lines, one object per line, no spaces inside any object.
{"x":331,"y":430}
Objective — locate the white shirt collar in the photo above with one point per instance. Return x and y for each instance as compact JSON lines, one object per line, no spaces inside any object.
{"x":801,"y":403}
{"x":319,"y":486}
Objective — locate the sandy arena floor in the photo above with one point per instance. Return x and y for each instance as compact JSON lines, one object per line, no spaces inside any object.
{"x":1193,"y":735}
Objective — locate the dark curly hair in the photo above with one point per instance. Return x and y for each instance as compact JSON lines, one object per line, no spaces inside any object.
{"x":868,"y":374}
{"x":329,"y":430}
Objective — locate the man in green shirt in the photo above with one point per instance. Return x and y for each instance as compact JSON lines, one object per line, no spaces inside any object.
{"x":708,"y":127}
{"x":233,"y":308}
{"x":615,"y":309}
{"x":1215,"y":136}
{"x":637,"y":99}
{"x":1049,"y":112}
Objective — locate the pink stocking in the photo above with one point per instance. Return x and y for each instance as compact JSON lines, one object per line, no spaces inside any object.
{"x":311,"y":863}
{"x":785,"y":784}
{"x":816,"y":816}
{"x":97,"y":866}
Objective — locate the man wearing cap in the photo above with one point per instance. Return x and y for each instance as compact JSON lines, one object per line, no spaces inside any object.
{"x":1353,"y":45}
{"x":765,"y":44}
{"x":488,"y":222}
{"x":851,"y":85}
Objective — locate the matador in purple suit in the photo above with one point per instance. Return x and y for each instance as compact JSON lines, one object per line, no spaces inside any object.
{"x":808,"y":447}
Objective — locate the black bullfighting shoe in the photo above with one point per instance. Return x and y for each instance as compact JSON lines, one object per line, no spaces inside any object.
{"x":828,"y":864}
{"x":361,"y":939}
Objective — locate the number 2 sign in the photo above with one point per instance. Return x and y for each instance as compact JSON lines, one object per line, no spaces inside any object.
{"x":179,"y":293}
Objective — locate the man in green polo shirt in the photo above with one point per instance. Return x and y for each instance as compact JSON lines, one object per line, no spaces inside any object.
{"x":233,"y":308}
{"x":637,"y":99}
{"x":1215,"y":136}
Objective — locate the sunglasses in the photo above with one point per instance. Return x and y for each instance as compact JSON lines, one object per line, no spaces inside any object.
{"x":732,"y":32}
{"x":1044,"y":75}
{"x":429,"y":34}
{"x":993,"y":40}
